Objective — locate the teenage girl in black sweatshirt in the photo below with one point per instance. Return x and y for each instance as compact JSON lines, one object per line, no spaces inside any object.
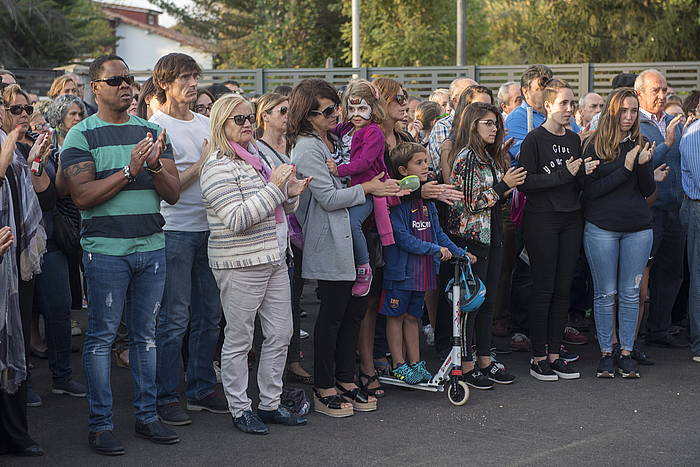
{"x":552,"y":227}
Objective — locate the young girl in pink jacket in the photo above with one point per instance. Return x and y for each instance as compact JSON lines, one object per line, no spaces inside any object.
{"x":363,"y":113}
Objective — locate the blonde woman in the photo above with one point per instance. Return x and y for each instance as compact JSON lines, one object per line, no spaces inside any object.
{"x":63,"y":85}
{"x":246,"y":204}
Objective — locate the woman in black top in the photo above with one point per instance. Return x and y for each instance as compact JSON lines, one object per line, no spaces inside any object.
{"x":618,"y":235}
{"x":552,"y":227}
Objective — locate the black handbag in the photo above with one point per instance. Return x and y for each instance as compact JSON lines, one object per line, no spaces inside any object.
{"x":66,"y":226}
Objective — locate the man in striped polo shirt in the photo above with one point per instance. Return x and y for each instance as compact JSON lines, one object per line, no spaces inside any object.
{"x":118,"y":168}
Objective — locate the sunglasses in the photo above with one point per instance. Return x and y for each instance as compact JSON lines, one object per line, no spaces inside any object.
{"x":116,"y":80}
{"x":401,"y":99}
{"x":240,"y":119}
{"x":17,"y":109}
{"x":327,"y":112}
{"x":282,"y":110}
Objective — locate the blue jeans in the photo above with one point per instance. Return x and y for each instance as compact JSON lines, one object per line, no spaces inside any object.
{"x":358,"y":215}
{"x":131,"y":284}
{"x":53,"y":300}
{"x":617,"y":261}
{"x":191,"y":297}
{"x":690,"y":216}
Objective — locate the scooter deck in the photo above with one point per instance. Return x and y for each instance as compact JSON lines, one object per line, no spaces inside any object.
{"x":432,"y":387}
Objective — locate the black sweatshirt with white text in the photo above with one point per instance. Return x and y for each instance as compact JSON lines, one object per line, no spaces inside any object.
{"x":549,"y":186}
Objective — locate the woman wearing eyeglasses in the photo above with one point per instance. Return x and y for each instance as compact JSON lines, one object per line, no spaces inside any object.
{"x":272,"y":141}
{"x":328,"y":254}
{"x":246,"y":205}
{"x":479,"y":167}
{"x":204,"y":102}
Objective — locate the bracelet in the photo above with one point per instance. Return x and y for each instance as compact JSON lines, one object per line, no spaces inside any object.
{"x":127,"y":174}
{"x":157,"y":169}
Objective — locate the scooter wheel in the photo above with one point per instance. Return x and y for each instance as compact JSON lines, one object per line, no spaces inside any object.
{"x":458,"y":393}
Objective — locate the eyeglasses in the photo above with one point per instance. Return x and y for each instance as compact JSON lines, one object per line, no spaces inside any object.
{"x":327,"y":112}
{"x":17,"y":109}
{"x":240,"y":119}
{"x":201,"y":108}
{"x":282,"y":110}
{"x":401,"y":99}
{"x":115,"y":81}
{"x":489,"y":123}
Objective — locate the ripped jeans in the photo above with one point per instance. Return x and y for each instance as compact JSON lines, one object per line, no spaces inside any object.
{"x":133,"y":285}
{"x":617,"y":261}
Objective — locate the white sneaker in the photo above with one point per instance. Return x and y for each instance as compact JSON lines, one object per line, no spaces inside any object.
{"x":75,"y":328}
{"x":217,"y":371}
{"x":696,"y":358}
{"x":303,"y":334}
{"x":429,"y":334}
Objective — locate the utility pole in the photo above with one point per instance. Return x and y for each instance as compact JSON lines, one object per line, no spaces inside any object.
{"x":355,"y":33}
{"x":461,"y":32}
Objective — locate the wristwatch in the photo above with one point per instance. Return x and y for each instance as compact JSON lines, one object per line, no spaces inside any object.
{"x":127,"y":174}
{"x":157,"y":169}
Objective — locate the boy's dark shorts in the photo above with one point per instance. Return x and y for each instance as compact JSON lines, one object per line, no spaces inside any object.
{"x":400,"y":302}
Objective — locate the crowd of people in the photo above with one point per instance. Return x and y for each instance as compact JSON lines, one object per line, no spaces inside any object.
{"x":183,"y":218}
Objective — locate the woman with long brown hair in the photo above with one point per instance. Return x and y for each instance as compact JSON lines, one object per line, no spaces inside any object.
{"x":618,"y":230}
{"x":479,"y":166}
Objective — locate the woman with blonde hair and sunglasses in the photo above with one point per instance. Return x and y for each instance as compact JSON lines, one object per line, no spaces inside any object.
{"x":246,"y":204}
{"x":618,"y":235}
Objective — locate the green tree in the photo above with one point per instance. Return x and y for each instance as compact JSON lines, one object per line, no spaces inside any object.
{"x":48,"y":33}
{"x":414,"y":32}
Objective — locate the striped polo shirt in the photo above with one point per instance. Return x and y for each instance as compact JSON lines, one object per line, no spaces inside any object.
{"x":129,"y":222}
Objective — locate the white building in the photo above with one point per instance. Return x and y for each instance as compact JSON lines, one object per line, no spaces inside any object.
{"x":142,"y":41}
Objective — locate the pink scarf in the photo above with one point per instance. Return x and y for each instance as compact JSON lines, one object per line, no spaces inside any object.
{"x":262,"y":169}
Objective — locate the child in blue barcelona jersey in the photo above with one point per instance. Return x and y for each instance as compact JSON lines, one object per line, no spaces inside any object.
{"x":411,"y":267}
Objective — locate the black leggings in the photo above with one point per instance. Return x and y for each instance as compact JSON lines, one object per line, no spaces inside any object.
{"x":336,"y":332}
{"x":553,"y":242}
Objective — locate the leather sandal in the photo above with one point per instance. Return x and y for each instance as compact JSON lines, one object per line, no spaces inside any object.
{"x":331,"y":405}
{"x":377,"y":392}
{"x":359,"y":399}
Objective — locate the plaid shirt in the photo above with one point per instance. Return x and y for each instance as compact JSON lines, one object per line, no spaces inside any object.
{"x":439,"y":133}
{"x":660,"y":123}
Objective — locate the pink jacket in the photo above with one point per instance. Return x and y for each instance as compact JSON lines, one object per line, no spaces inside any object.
{"x":366,"y":162}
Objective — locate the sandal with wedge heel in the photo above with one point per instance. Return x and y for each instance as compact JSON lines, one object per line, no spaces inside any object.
{"x":377,"y":392}
{"x":358,"y":398}
{"x":331,"y":405}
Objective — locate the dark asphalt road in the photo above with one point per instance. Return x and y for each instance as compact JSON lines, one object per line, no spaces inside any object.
{"x":650,"y":421}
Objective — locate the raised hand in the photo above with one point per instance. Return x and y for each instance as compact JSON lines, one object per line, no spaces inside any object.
{"x":296,"y":186}
{"x":280,"y":175}
{"x":688,"y":121}
{"x":507,"y":144}
{"x":156,"y":151}
{"x":646,"y":153}
{"x":7,"y":152}
{"x":670,"y":139}
{"x":590,"y":165}
{"x":6,"y":239}
{"x":41,"y":148}
{"x":515,"y":177}
{"x":661,"y":172}
{"x":414,"y":128}
{"x":573,"y":165}
{"x":141,"y":151}
{"x":631,"y":157}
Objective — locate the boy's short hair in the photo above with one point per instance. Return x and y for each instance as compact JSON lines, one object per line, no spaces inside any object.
{"x":402,"y":154}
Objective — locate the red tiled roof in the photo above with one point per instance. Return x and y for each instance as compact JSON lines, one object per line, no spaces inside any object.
{"x":184,"y":39}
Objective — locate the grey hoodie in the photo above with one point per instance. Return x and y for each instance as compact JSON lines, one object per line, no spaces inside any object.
{"x":323,"y":215}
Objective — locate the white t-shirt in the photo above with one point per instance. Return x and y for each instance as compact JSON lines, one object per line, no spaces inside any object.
{"x":187,"y":137}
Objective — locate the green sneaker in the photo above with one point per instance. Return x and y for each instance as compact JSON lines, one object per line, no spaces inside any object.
{"x":422,"y":371}
{"x":405,"y":373}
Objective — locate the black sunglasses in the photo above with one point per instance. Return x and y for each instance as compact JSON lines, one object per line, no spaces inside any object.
{"x":17,"y":109}
{"x":283,"y":110}
{"x":240,"y":119}
{"x":116,"y":80}
{"x":327,"y":112}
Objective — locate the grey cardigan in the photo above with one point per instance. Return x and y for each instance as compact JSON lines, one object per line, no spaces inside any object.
{"x":323,"y":214}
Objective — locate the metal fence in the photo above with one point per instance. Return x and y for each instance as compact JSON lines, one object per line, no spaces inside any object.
{"x":420,"y":82}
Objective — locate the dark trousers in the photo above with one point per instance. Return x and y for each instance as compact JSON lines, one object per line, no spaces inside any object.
{"x":553,"y":242}
{"x":336,"y":332}
{"x":476,"y":328}
{"x":14,"y":432}
{"x":521,"y":288}
{"x":666,"y":270}
{"x":502,"y":297}
{"x":293,"y":354}
{"x":581,"y":288}
{"x":75,"y":264}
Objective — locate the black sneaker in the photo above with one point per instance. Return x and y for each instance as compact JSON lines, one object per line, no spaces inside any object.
{"x":173,"y":414}
{"x":627,"y":366}
{"x":606,"y":367}
{"x":542,"y":370}
{"x":477,"y":380}
{"x":640,"y":356}
{"x":497,"y":373}
{"x":564,"y":370}
{"x":567,"y":356}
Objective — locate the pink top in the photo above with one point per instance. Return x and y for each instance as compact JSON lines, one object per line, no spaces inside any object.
{"x":366,"y":153}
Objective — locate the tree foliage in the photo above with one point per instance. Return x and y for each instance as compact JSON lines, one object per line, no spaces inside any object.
{"x":48,"y":33}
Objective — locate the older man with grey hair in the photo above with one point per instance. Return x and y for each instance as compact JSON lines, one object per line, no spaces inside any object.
{"x":442,"y":128}
{"x":669,"y":234}
{"x":590,"y":104}
{"x":509,"y":97}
